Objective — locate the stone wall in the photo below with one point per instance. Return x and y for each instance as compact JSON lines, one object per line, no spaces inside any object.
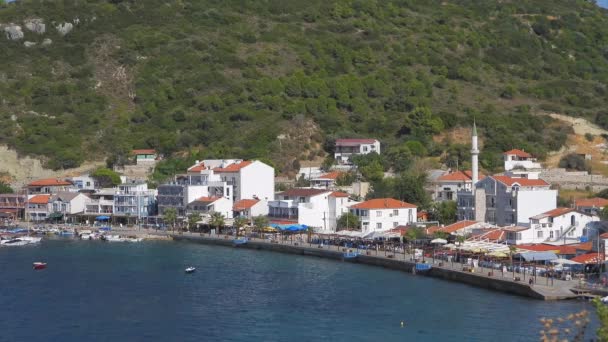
{"x":574,"y":180}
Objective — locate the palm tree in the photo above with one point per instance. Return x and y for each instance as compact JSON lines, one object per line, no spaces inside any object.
{"x":460,"y":239}
{"x":170,"y":215}
{"x":512,"y":250}
{"x":260,"y":222}
{"x":217,"y":220}
{"x":239,"y":223}
{"x":193,"y":219}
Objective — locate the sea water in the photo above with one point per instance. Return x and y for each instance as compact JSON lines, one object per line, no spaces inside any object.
{"x":100,"y":291}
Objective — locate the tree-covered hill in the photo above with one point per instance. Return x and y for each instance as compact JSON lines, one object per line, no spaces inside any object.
{"x":226,"y":78}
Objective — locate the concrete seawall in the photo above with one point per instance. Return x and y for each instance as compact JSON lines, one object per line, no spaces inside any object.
{"x":474,"y":279}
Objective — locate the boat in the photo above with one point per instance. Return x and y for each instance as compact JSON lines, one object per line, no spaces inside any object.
{"x":604,"y":300}
{"x":350,"y":255}
{"x":190,"y":269}
{"x":21,"y":241}
{"x":114,"y":238}
{"x":66,"y":233}
{"x":39,"y":265}
{"x":240,"y":241}
{"x":422,"y":267}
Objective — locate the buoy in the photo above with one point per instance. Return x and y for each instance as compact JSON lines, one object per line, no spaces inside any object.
{"x":402,"y":324}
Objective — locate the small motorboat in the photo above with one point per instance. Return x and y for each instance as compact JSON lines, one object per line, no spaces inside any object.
{"x":240,"y":241}
{"x":190,"y":269}
{"x":350,"y":255}
{"x":39,"y":265}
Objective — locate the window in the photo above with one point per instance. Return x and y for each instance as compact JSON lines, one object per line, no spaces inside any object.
{"x":396,"y":212}
{"x":379,"y":225}
{"x":378,"y":213}
{"x":551,"y":234}
{"x":286,"y":198}
{"x":302,"y":199}
{"x":518,"y":236}
{"x":364,"y":148}
{"x":539,"y":234}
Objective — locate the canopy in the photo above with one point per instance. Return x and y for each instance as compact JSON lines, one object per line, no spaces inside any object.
{"x":289,"y":227}
{"x":102,"y":218}
{"x":439,"y":241}
{"x":538,"y":256}
{"x":55,"y":215}
{"x":562,"y":261}
{"x":498,"y":254}
{"x":107,"y":229}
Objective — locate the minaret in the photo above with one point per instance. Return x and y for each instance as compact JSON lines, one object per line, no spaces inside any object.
{"x":474,"y":157}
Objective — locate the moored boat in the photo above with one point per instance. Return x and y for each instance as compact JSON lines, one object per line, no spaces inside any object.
{"x":39,"y":265}
{"x":240,"y":241}
{"x":190,"y":269}
{"x":350,"y":255}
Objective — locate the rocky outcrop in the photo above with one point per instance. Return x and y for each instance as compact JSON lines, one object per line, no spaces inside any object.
{"x":13,"y":32}
{"x":64,"y":28}
{"x":35,"y":25}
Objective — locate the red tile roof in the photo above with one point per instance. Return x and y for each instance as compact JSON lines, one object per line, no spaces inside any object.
{"x":509,"y":181}
{"x":589,"y":258}
{"x":458,"y":176}
{"x":40,"y":199}
{"x":302,"y":192}
{"x":331,"y":175}
{"x":454,"y":227}
{"x":338,"y":194}
{"x":542,"y":247}
{"x":205,"y":199}
{"x":244,"y":204}
{"x":235,"y":167}
{"x":144,"y":151}
{"x":351,"y":142}
{"x":491,"y":234}
{"x":554,"y":213}
{"x":197,"y":167}
{"x":596,"y":202}
{"x":519,"y":153}
{"x":604,"y":236}
{"x":584,"y":246}
{"x":49,"y":182}
{"x":382,"y":203}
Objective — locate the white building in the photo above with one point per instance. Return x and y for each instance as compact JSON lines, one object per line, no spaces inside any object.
{"x":100,"y":202}
{"x":37,"y":208}
{"x":448,"y":185}
{"x":518,"y":159}
{"x":67,"y":203}
{"x":383,"y":214}
{"x":326,"y":181}
{"x":207,"y":205}
{"x":506,"y":200}
{"x":250,"y":208}
{"x":249,"y":179}
{"x":84,"y":182}
{"x":560,"y":225}
{"x":346,"y":148}
{"x":317,"y":208}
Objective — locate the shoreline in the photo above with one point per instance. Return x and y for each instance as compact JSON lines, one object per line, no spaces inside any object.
{"x":560,"y":290}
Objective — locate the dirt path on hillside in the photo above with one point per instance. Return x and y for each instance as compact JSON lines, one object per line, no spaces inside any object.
{"x":24,"y":169}
{"x":577,"y":143}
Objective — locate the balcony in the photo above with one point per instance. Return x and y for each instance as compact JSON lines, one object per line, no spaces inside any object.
{"x":283,"y":204}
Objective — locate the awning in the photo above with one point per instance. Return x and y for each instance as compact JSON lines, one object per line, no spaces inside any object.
{"x":55,"y":215}
{"x":538,"y":256}
{"x":102,"y":218}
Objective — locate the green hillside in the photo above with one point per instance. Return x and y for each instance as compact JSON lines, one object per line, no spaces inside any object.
{"x":225,"y":78}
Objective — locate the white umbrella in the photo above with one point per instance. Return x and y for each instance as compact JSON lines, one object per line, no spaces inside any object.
{"x":440,"y":241}
{"x":562,"y":261}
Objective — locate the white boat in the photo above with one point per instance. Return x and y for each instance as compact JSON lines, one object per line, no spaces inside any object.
{"x":604,"y":300}
{"x":114,"y":238}
{"x":190,"y":269}
{"x":20,"y":241}
{"x":133,"y":239}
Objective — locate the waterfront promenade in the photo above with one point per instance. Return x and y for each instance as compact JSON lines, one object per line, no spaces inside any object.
{"x":514,"y":283}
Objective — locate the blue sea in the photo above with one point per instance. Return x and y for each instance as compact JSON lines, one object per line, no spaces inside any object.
{"x":96,"y":291}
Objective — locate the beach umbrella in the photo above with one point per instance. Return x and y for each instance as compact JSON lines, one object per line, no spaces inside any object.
{"x":498,"y":254}
{"x":439,"y":241}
